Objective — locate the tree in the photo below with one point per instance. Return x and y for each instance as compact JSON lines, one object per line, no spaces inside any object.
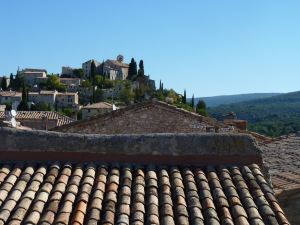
{"x":132,"y":70}
{"x":141,"y":71}
{"x":127,"y":94}
{"x":184,"y":97}
{"x":78,"y":73}
{"x":19,"y":82}
{"x":99,"y":95}
{"x":4,"y":84}
{"x":193,"y":101}
{"x":41,"y":106}
{"x":160,"y":85}
{"x":201,"y":108}
{"x":53,"y":83}
{"x":11,"y":81}
{"x":23,"y":106}
{"x":93,"y":78}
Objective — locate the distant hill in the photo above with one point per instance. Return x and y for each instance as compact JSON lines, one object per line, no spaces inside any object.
{"x":272,"y":116}
{"x":230,"y":99}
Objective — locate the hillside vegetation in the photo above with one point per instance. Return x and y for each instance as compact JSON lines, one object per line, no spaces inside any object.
{"x":273,"y":116}
{"x":230,"y":99}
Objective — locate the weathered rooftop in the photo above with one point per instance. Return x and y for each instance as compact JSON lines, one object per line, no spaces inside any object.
{"x":283,"y":158}
{"x":38,"y":115}
{"x":204,"y":179}
{"x":10,"y":94}
{"x":98,"y":105}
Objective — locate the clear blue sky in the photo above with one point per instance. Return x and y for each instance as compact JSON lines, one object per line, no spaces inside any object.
{"x":208,"y":47}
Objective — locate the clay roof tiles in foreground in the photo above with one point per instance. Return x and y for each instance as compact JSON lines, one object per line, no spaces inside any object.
{"x":65,"y":193}
{"x":226,"y":189}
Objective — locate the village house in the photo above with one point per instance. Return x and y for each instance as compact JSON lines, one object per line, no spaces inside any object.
{"x":114,"y":69}
{"x":10,"y":97}
{"x":47,"y":97}
{"x":111,"y":69}
{"x":67,"y":100}
{"x":67,"y":71}
{"x":39,"y":120}
{"x":98,"y":108}
{"x":55,"y":98}
{"x":146,"y":117}
{"x":163,"y":179}
{"x":32,"y":76}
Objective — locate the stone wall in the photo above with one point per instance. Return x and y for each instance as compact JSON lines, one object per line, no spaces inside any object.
{"x":145,"y":118}
{"x":189,"y":148}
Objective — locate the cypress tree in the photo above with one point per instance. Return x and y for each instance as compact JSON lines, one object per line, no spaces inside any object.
{"x":11,"y":81}
{"x":93,"y":75}
{"x":141,"y":71}
{"x":184,"y":97}
{"x":4,"y":84}
{"x":132,"y":70}
{"x":23,"y":104}
{"x":193,"y":101}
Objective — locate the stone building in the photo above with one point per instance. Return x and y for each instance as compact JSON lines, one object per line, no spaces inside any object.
{"x":32,"y":75}
{"x":168,"y":179}
{"x":67,"y":100}
{"x":114,"y":69}
{"x":146,"y":117}
{"x":98,"y":108}
{"x":86,"y":67}
{"x":10,"y":97}
{"x":47,"y":97}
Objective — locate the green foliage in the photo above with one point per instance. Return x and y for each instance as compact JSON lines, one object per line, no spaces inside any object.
{"x":68,"y":112}
{"x":8,"y":106}
{"x":184,"y":106}
{"x":53,"y":83}
{"x":172,"y":94}
{"x":140,"y":92}
{"x":193,"y":101}
{"x":78,"y":73}
{"x":99,"y":95}
{"x":11,"y":81}
{"x":141,"y":71}
{"x":4,"y":84}
{"x":23,"y":106}
{"x":184,"y":97}
{"x":132,"y":70}
{"x":41,"y":106}
{"x":86,"y":84}
{"x":273,"y":116}
{"x":93,"y":79}
{"x":19,"y":82}
{"x":201,"y":108}
{"x":127,"y":94}
{"x":103,"y":83}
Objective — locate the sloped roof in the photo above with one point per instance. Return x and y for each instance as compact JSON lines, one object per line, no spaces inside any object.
{"x":283,"y":158}
{"x":98,"y":105}
{"x":10,"y":93}
{"x":116,"y":113}
{"x":38,"y":115}
{"x":116,"y":192}
{"x":117,"y":63}
{"x":68,"y":193}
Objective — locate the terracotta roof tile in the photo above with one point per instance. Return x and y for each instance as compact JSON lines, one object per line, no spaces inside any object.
{"x":129,"y":194}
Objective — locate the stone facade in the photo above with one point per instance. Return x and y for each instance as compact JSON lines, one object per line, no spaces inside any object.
{"x":148,"y":117}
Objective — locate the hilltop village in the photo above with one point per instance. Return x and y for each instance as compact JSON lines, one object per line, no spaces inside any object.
{"x":102,"y":145}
